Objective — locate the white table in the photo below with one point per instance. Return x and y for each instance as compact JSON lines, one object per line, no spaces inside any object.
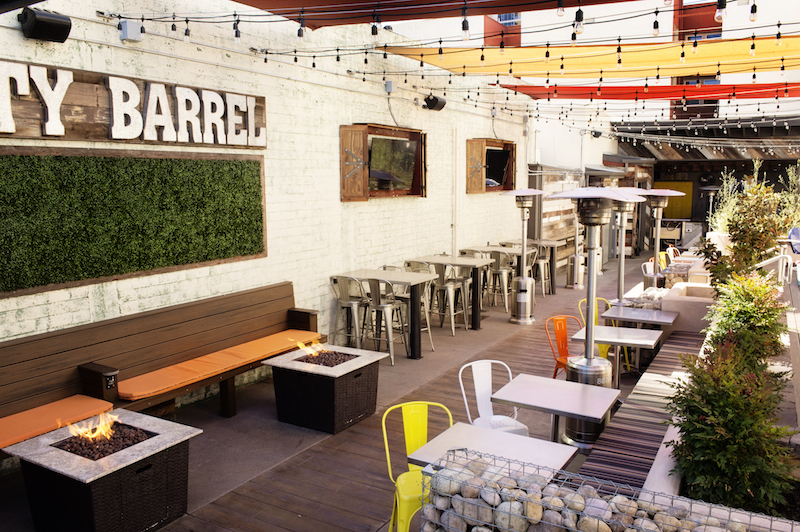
{"x":559,"y":398}
{"x":414,"y":281}
{"x":641,"y":316}
{"x":621,"y":336}
{"x":553,"y":245}
{"x":475,"y":263}
{"x":494,"y":442}
{"x":515,"y":251}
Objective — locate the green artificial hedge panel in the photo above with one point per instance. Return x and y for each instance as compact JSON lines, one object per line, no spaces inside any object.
{"x":72,"y":218}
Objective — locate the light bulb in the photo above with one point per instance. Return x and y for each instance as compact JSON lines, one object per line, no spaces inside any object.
{"x":579,"y":27}
{"x":579,"y":21}
{"x":683,"y":56}
{"x":560,"y":10}
{"x":655,"y":29}
{"x":753,"y":13}
{"x":186,"y":32}
{"x":464,"y":25}
{"x":667,"y":2}
{"x":441,"y":52}
{"x":374,"y":33}
{"x":574,"y":39}
{"x":483,"y":58}
{"x":778,"y":36}
{"x":694,"y":47}
{"x":720,"y":14}
{"x":502,"y":47}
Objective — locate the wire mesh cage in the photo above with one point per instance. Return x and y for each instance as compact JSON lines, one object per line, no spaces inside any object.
{"x":467,"y":491}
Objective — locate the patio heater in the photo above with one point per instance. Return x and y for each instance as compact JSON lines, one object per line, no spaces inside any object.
{"x":522,"y":286}
{"x":657,"y":199}
{"x":594,"y":210}
{"x":622,"y":208}
{"x":712,"y":191}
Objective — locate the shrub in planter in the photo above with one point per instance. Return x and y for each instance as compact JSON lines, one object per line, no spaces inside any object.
{"x":748,"y":313}
{"x":728,"y":452}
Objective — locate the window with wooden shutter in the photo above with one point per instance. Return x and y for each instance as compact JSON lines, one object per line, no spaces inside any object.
{"x":355,"y":163}
{"x":476,"y":166}
{"x":382,"y":161}
{"x":491,"y":165}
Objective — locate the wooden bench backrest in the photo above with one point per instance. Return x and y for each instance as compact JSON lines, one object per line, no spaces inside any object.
{"x":39,"y":369}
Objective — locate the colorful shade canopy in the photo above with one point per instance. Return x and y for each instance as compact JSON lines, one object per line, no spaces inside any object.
{"x":638,"y":60}
{"x":660,"y":92}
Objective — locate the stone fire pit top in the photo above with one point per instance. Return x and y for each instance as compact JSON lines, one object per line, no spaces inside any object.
{"x":364,"y":358}
{"x":40,"y":452}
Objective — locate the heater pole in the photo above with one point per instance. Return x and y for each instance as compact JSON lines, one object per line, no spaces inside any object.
{"x":593,"y":234}
{"x":657,"y":240}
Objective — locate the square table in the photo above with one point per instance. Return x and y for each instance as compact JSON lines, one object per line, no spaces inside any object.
{"x":641,"y":316}
{"x":559,"y":398}
{"x":621,"y":336}
{"x":413,"y":280}
{"x":475,"y":263}
{"x":494,"y":442}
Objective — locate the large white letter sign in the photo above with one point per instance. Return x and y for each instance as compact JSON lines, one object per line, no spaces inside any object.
{"x":126,"y":120}
{"x":258,"y":136}
{"x":18,"y":73}
{"x":236,"y":102}
{"x":52,"y":97}
{"x":213,"y":110}
{"x":187,"y":111}
{"x":157,"y":114}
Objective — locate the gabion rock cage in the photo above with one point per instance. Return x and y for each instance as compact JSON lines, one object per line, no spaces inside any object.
{"x":466,"y":491}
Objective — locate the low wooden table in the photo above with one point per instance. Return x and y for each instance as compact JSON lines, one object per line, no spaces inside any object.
{"x":494,"y":442}
{"x":557,"y":397}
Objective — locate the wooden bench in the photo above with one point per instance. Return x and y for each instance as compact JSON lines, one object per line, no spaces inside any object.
{"x":625,"y":450}
{"x":149,"y":358}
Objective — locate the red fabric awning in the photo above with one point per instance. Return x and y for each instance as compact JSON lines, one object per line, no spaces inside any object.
{"x":334,"y":12}
{"x":660,"y":92}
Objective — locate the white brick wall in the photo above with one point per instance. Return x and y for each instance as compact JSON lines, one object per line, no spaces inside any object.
{"x":310,"y":233}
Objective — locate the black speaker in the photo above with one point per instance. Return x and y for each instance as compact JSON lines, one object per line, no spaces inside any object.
{"x":434,"y":103}
{"x":44,"y":25}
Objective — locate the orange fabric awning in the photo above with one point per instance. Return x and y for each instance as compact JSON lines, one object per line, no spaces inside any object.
{"x":639,"y":60}
{"x":659,"y":92}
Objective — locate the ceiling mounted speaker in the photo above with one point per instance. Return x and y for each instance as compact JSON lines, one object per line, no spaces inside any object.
{"x":44,"y":25}
{"x":434,"y":103}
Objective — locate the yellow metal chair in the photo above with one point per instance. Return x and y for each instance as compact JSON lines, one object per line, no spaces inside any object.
{"x":408,"y":494}
{"x":602,"y":348}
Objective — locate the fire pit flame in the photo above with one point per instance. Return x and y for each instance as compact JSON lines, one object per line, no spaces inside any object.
{"x":99,"y":427}
{"x":311,"y":350}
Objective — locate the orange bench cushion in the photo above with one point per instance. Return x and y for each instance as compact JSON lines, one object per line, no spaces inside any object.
{"x":185,"y":373}
{"x":42,"y":419}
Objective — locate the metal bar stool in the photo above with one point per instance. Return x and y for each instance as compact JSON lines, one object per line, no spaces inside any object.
{"x":542,"y":267}
{"x":500,"y":272}
{"x":446,"y":297}
{"x":387,"y":309}
{"x":350,"y":297}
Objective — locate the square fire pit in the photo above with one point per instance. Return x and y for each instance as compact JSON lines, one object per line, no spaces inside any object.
{"x":328,"y":399}
{"x":142,"y":487}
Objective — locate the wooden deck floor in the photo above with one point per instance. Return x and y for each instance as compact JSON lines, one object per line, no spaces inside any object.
{"x":342,"y":483}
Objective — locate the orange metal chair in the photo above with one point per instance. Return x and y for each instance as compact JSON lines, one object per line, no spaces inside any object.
{"x":408,"y":493}
{"x":560,"y":327}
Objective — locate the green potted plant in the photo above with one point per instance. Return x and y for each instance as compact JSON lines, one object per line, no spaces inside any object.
{"x":729,"y":451}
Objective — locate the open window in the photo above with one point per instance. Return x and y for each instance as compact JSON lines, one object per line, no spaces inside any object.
{"x":491,"y":165}
{"x":381,"y":161}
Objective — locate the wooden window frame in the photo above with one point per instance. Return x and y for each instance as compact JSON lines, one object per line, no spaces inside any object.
{"x":477,"y":165}
{"x":355,"y":163}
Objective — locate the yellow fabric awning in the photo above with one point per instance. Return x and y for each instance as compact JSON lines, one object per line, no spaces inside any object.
{"x":638,"y":60}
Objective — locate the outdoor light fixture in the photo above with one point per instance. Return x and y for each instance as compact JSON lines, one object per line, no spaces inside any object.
{"x":721,"y":12}
{"x":579,"y":21}
{"x":753,"y":12}
{"x":464,"y":23}
{"x":560,"y":10}
{"x":655,"y":25}
{"x":44,"y":25}
{"x":523,"y":287}
{"x":594,"y":206}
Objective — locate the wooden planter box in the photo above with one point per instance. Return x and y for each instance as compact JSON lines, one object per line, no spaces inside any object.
{"x":327,"y":399}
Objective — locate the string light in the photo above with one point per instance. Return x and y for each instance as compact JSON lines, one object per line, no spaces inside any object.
{"x":646,"y":86}
{"x":547,"y":81}
{"x":783,"y":68}
{"x":778,"y":36}
{"x":562,"y":65}
{"x":753,"y":12}
{"x":754,"y":74}
{"x":441,"y":52}
{"x":464,"y":23}
{"x":694,"y":44}
{"x":658,"y":73}
{"x":502,"y":43}
{"x":547,"y":53}
{"x":236,"y":33}
{"x":574,"y":38}
{"x":655,"y":25}
{"x":377,"y":20}
{"x":683,"y":54}
{"x":483,"y":58}
{"x":175,"y":27}
{"x":338,"y":58}
{"x":719,"y":74}
{"x":721,"y":12}
{"x":579,"y":19}
{"x":619,"y":52}
{"x":186,"y":32}
{"x":560,"y":10}
{"x":301,"y":29}
{"x":753,"y":45}
{"x":141,"y":29}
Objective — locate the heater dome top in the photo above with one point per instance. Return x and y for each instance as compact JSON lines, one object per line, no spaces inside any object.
{"x":524,"y":192}
{"x":652,"y":191}
{"x":613,"y":194}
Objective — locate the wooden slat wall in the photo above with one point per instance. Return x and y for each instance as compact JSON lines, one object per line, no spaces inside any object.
{"x":44,"y":368}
